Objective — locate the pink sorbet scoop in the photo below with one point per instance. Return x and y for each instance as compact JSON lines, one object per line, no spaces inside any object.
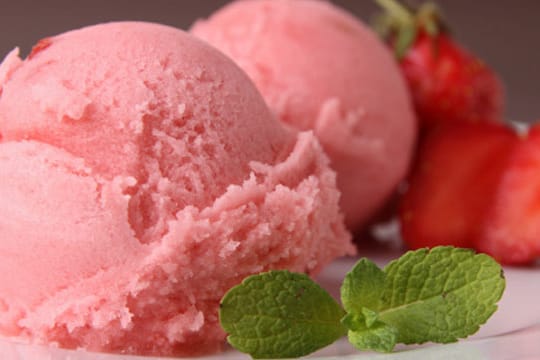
{"x":319,"y":68}
{"x":141,"y":176}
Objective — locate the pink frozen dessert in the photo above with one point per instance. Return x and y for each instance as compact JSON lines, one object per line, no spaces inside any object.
{"x":142,"y":175}
{"x":319,"y":68}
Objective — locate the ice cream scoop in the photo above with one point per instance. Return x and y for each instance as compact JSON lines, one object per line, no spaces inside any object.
{"x":141,"y":176}
{"x":320,"y":68}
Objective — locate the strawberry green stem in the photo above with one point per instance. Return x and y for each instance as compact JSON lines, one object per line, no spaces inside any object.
{"x":397,"y":9}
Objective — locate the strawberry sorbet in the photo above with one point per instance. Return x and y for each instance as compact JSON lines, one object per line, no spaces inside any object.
{"x":142,"y":176}
{"x":320,"y":68}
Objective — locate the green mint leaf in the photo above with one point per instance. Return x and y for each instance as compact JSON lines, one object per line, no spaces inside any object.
{"x":362,"y":287}
{"x":365,"y":320}
{"x":370,"y":316}
{"x":379,"y":337}
{"x":280,"y":314}
{"x":354,"y":321}
{"x":440,"y":295}
{"x":361,"y":292}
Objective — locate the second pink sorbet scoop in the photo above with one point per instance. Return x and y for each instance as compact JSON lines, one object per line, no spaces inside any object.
{"x":320,"y":68}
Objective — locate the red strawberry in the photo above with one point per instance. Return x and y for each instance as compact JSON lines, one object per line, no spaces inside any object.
{"x":452,"y":185}
{"x":512,"y":231}
{"x":447,"y":83}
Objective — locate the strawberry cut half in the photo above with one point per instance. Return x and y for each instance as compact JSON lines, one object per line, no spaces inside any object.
{"x":512,"y":229}
{"x":453,"y":183}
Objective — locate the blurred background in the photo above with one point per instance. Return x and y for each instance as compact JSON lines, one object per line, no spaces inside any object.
{"x":505,"y":34}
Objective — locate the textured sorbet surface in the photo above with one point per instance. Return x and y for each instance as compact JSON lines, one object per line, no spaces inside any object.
{"x":142,"y":175}
{"x":320,"y":68}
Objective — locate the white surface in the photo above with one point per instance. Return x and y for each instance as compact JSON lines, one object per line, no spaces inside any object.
{"x":513,"y":332}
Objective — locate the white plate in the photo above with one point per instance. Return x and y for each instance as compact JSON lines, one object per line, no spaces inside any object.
{"x":513,"y":332}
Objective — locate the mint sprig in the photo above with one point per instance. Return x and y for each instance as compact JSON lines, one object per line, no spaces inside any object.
{"x":437,"y":295}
